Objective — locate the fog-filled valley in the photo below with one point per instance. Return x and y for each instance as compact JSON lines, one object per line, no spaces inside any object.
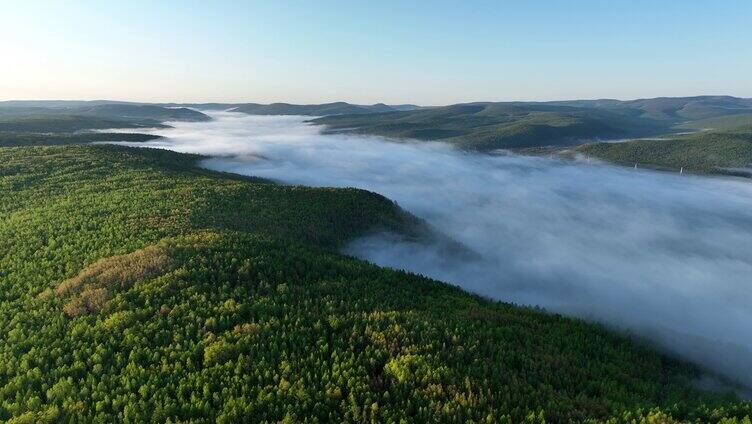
{"x":376,"y":212}
{"x":660,"y":255}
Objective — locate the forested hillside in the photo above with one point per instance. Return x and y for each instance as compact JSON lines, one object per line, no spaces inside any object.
{"x":491,"y":126}
{"x":8,"y":139}
{"x":56,"y":123}
{"x":127,"y":111}
{"x":727,"y":122}
{"x":136,"y":287}
{"x":93,"y":117}
{"x":710,"y":151}
{"x":486,"y":126}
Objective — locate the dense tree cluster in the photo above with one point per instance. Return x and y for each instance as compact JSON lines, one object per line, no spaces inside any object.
{"x":135,"y":287}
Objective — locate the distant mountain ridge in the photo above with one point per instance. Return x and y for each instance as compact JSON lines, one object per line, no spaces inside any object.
{"x":488,"y":126}
{"x":323,"y":109}
{"x":326,"y":109}
{"x":73,"y":117}
{"x":493,"y":126}
{"x":143,"y":112}
{"x":666,"y":108}
{"x":60,"y":103}
{"x":659,"y":108}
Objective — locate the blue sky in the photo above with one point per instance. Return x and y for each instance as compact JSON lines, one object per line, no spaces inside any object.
{"x":427,"y":52}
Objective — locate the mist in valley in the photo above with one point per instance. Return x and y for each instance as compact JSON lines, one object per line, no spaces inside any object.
{"x":664,"y":256}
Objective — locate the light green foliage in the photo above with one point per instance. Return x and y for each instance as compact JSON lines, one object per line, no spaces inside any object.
{"x":414,"y":369}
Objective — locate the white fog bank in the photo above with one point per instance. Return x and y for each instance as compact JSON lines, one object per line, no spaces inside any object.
{"x":665,"y":256}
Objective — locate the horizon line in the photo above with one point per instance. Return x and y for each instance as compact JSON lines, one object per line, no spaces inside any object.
{"x":369,"y":104}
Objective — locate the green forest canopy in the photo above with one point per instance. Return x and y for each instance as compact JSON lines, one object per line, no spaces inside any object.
{"x":137,"y":287}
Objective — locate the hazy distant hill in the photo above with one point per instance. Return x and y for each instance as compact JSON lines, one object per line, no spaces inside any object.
{"x":719,"y":122}
{"x":46,"y":122}
{"x":26,"y":118}
{"x":675,"y":109}
{"x":670,"y":108}
{"x":203,"y":106}
{"x":336,"y":108}
{"x":158,"y":113}
{"x":489,"y":126}
{"x":69,"y":104}
{"x":58,"y":103}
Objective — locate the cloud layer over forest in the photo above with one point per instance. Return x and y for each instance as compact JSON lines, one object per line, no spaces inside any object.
{"x":665,"y":256}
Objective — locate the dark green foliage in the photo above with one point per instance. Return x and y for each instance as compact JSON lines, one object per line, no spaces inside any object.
{"x":135,"y":287}
{"x":46,"y":122}
{"x":490,"y":126}
{"x":705,"y":151}
{"x":9,"y":139}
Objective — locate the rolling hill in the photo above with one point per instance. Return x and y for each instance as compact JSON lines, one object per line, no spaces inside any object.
{"x":100,"y":108}
{"x":492,"y":126}
{"x":8,"y":139}
{"x":725,"y":151}
{"x":489,"y":126}
{"x":16,"y":104}
{"x":127,"y":115}
{"x":726,"y":122}
{"x":674,"y":109}
{"x":133,"y":109}
{"x":127,"y":111}
{"x":45,"y":122}
{"x":337,"y":108}
{"x":135,"y":286}
{"x":690,"y":108}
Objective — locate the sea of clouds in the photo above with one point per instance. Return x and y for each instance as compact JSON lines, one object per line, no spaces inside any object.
{"x":665,"y":256}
